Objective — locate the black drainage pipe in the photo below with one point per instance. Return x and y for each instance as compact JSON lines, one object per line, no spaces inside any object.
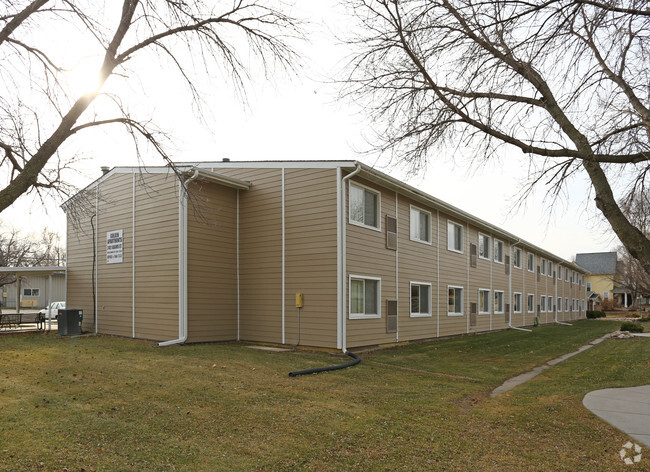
{"x":355,"y":361}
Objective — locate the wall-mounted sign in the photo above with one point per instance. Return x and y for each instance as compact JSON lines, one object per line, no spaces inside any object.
{"x":114,"y":246}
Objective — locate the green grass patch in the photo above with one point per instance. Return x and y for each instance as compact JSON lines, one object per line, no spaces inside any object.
{"x":102,"y":403}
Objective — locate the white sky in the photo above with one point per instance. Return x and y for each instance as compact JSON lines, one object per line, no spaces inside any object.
{"x":300,"y":118}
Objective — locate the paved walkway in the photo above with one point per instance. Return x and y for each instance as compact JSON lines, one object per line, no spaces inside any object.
{"x":627,"y":409}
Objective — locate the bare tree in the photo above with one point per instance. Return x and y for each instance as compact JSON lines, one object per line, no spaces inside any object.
{"x":563,"y":81}
{"x":224,"y":39}
{"x":18,"y":250}
{"x":631,"y":274}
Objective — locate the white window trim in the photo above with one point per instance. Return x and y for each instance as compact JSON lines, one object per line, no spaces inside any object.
{"x":489,"y":301}
{"x":533,"y":266}
{"x":503,"y":298}
{"x":357,"y":223}
{"x":521,"y":302}
{"x":521,"y":253}
{"x":550,"y":268}
{"x":503,"y":251}
{"x":462,"y":301}
{"x":462,"y":242}
{"x":566,"y":274}
{"x":422,"y":315}
{"x":416,"y":239}
{"x":542,"y":307}
{"x":552,"y":298}
{"x":533,"y":310}
{"x":488,"y":245}
{"x":566,"y":305}
{"x":559,"y":272}
{"x":31,"y":292}
{"x":542,"y":266}
{"x":362,"y":316}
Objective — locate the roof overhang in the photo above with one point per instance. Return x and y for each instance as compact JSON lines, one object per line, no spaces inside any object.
{"x":46,"y":270}
{"x":209,"y":176}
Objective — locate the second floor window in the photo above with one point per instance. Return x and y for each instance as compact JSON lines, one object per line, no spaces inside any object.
{"x":364,"y":206}
{"x":420,"y":225}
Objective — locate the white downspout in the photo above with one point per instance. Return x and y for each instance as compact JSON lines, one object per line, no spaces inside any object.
{"x":512,"y":308}
{"x":182,"y":264}
{"x":343,"y":273}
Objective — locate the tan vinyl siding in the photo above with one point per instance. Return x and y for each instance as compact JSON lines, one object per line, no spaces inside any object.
{"x":212,"y":262}
{"x":260,"y":259}
{"x":479,"y":278}
{"x":79,"y":257}
{"x":156,"y":256}
{"x":310,"y":256}
{"x":367,"y":256}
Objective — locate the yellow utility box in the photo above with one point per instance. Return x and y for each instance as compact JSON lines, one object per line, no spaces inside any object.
{"x":299,"y":300}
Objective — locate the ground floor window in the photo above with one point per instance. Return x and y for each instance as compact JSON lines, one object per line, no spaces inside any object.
{"x":483,"y":301}
{"x":517,"y":302}
{"x":364,"y":297}
{"x":420,"y":299}
{"x":542,"y":303}
{"x":455,"y":300}
{"x":531,"y":303}
{"x":498,"y":301}
{"x":549,"y":300}
{"x":31,"y":292}
{"x":566,"y":304}
{"x":559,"y":304}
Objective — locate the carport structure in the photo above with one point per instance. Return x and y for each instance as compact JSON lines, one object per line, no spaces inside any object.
{"x":20,"y":272}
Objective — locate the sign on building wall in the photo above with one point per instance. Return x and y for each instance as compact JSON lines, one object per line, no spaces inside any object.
{"x":114,"y":246}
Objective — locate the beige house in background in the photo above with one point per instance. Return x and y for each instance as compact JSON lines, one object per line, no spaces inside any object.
{"x":371,"y":259}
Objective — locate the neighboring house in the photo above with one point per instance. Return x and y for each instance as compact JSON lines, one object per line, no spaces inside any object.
{"x":375,"y":260}
{"x":38,"y":286}
{"x":604,"y":278}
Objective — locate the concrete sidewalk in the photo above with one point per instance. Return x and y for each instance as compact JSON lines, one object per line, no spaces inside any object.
{"x":627,"y":409}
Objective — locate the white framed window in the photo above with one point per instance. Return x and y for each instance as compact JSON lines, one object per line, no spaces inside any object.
{"x":559,"y":272}
{"x":542,"y":303}
{"x":516,"y":300}
{"x":606,"y":295}
{"x":542,"y":264}
{"x":420,"y":299}
{"x":483,"y":246}
{"x":531,"y":262}
{"x":498,"y":251}
{"x":559,"y":304}
{"x":454,"y":236}
{"x":455,"y":303}
{"x":420,"y":225}
{"x":588,"y":286}
{"x":583,"y":305}
{"x":550,"y":269}
{"x":498,"y":301}
{"x":530,"y":305}
{"x":516,"y":257}
{"x":575,"y":304}
{"x":574,"y":276}
{"x":549,"y":300}
{"x":483,"y":301}
{"x":566,"y":304}
{"x":365,"y":296}
{"x":364,"y":206}
{"x":566,"y":274}
{"x":31,"y":292}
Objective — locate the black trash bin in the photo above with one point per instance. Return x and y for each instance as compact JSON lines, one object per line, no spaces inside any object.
{"x":69,"y":321}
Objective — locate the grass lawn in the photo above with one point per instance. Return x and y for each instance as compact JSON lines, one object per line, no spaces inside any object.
{"x":103,"y":403}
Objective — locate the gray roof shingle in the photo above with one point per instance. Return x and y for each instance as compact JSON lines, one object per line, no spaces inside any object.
{"x":597,"y":262}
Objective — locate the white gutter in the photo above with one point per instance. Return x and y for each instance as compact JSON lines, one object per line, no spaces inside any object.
{"x":512,"y":308}
{"x":343,"y":265}
{"x":182,"y":264}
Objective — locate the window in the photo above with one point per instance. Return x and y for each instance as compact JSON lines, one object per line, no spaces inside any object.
{"x":498,"y":301}
{"x":566,"y":304}
{"x":364,"y":206}
{"x":455,"y":300}
{"x":606,"y":295}
{"x":543,"y":269}
{"x":549,"y":300}
{"x":454,"y":236}
{"x":517,"y":302}
{"x":559,"y":272}
{"x":420,"y":299}
{"x":566,"y":274}
{"x":583,"y":304}
{"x":364,"y":297}
{"x":483,"y":301}
{"x":559,"y":304}
{"x":516,"y":257}
{"x":550,"y":269}
{"x":542,"y":303}
{"x":575,"y":304}
{"x":483,"y":246}
{"x":531,"y":303}
{"x":498,"y":251}
{"x":588,"y":286}
{"x":531,"y":263}
{"x":420,"y":225}
{"x":574,"y":276}
{"x":31,"y":292}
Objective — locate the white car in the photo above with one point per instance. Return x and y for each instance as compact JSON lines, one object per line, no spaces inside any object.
{"x":52,"y":310}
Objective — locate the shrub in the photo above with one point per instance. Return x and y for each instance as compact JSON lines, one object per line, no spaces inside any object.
{"x":592,"y":314}
{"x":645,"y":319}
{"x":608,"y":304}
{"x":632,"y":327}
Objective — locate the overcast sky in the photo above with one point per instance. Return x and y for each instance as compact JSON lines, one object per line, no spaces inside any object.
{"x":301,"y":118}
